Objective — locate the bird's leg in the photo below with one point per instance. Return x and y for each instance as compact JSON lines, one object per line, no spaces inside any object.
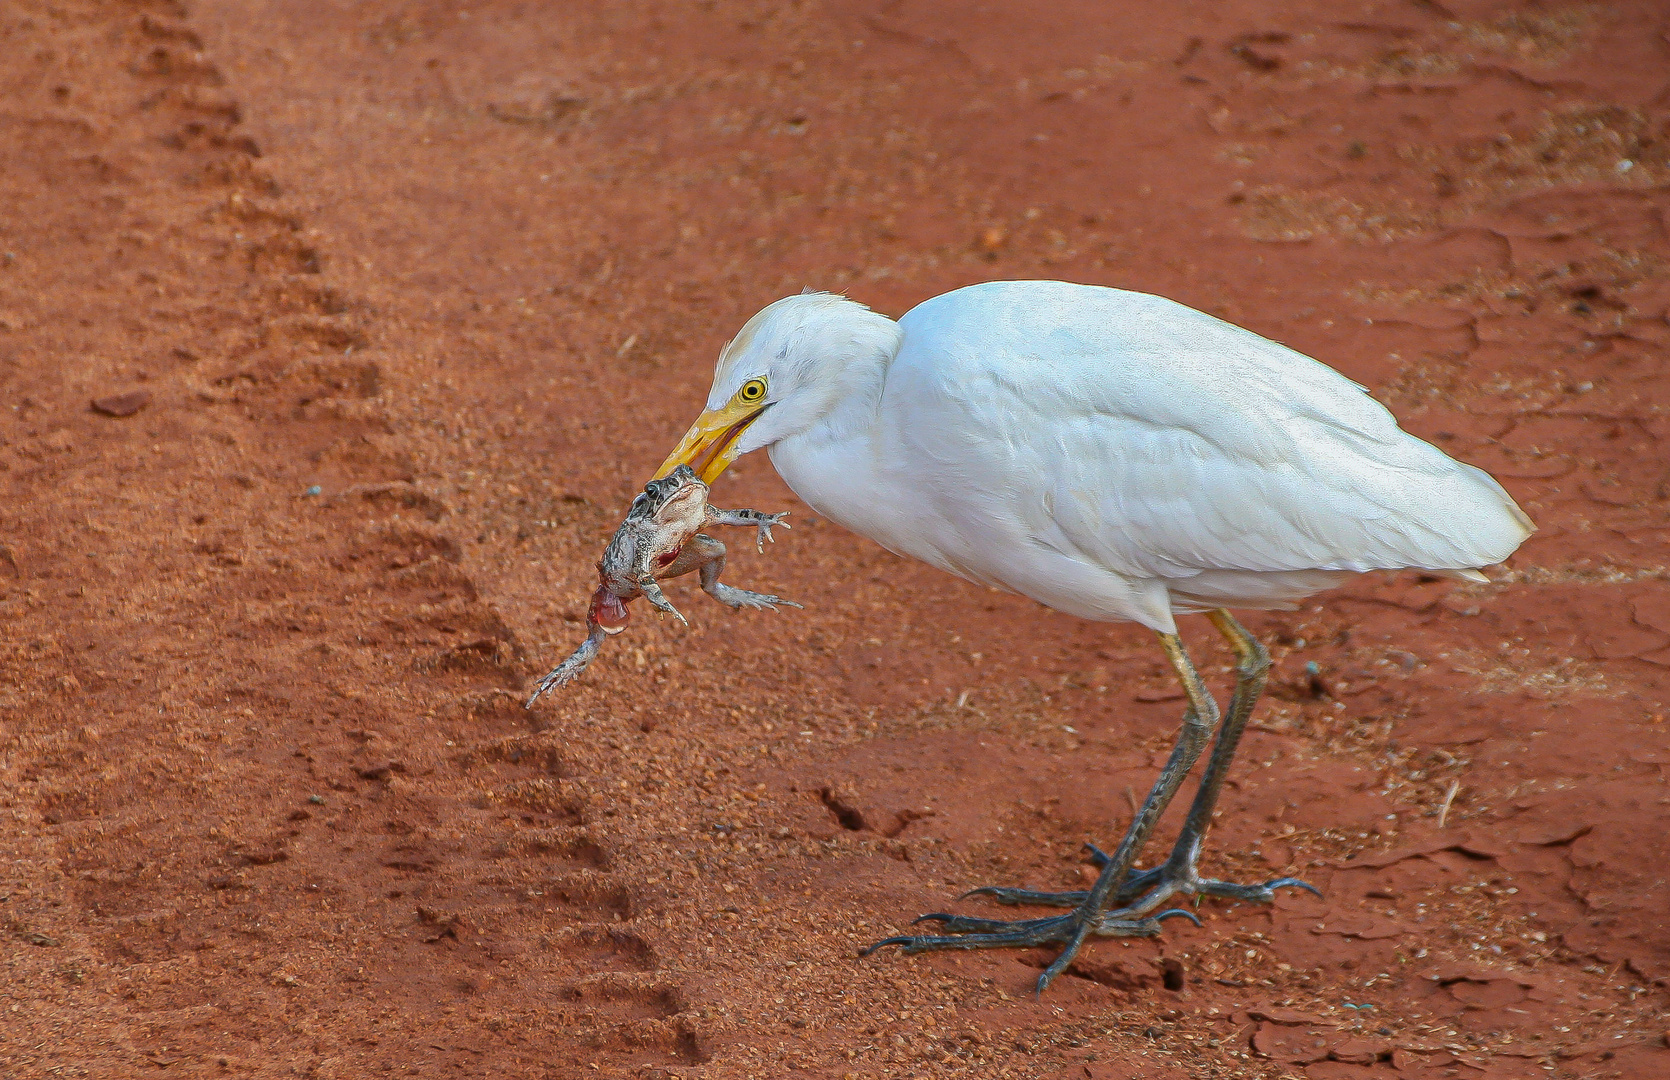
{"x":1145,"y":890}
{"x":1177,"y":875}
{"x":1090,"y":916}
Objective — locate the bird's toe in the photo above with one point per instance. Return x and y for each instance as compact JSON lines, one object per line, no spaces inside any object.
{"x":1013,"y":897}
{"x":993,"y":934}
{"x":968,"y":924}
{"x":1262,"y":894}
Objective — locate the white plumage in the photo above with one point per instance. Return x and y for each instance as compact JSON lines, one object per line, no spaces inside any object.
{"x":1115,"y":456}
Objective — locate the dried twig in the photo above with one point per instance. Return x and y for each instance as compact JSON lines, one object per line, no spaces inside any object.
{"x":1449,"y":797}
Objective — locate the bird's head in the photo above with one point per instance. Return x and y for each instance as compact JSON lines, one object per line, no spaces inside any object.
{"x":789,"y":367}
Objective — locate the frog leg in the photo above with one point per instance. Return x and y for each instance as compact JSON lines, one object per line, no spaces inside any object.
{"x":565,"y":671}
{"x":606,"y":617}
{"x":760,"y":520}
{"x":712,"y":555}
{"x":696,"y":553}
{"x":658,"y":599}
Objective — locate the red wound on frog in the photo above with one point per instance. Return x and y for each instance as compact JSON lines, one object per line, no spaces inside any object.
{"x":608,"y":611}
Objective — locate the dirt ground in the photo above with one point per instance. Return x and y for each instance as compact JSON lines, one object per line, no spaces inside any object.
{"x":335,"y":335}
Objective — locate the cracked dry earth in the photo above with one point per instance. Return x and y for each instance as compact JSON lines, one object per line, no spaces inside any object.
{"x":335,"y":336}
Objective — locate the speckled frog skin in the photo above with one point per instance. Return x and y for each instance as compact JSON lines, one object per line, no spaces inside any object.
{"x":661,"y":539}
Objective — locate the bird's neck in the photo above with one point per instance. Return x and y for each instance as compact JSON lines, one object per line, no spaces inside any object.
{"x":831,"y":463}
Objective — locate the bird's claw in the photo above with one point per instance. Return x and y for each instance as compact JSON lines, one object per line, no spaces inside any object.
{"x":1265,"y":893}
{"x":1068,"y":931}
{"x":983,"y":934}
{"x":1016,"y":897}
{"x":1139,"y":882}
{"x":1138,"y":919}
{"x":1161,"y":886}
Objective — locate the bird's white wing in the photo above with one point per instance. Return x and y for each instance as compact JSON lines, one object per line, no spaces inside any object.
{"x":1152,"y":440}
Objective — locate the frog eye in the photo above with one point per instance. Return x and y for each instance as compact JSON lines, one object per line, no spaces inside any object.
{"x":752,"y":390}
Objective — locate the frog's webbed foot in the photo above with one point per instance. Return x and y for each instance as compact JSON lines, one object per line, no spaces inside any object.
{"x":757,"y":518}
{"x":565,"y":671}
{"x":658,"y":599}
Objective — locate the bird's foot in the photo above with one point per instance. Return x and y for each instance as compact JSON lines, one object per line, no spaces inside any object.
{"x":1068,"y":931}
{"x":1146,"y":890}
{"x":1178,"y":878}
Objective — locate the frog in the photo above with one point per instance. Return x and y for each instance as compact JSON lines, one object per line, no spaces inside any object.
{"x":660,"y":539}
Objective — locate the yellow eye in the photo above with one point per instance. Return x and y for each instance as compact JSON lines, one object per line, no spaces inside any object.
{"x":752,"y":391}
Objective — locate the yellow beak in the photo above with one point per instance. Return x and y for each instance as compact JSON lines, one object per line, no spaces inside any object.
{"x":709,"y":446}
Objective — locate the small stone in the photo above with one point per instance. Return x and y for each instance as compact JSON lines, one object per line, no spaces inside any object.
{"x":122,"y":404}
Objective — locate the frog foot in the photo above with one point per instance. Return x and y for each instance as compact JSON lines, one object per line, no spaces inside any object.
{"x":658,"y":599}
{"x":764,"y":533}
{"x":742,"y":598}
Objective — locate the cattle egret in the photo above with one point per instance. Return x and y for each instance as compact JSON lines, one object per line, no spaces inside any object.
{"x":1118,"y":457}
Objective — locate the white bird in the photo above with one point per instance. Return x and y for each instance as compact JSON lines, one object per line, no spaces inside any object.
{"x":1116,"y":456}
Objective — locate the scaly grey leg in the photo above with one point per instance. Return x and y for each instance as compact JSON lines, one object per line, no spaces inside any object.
{"x":1091,"y":916}
{"x":1177,"y":875}
{"x":1145,"y":891}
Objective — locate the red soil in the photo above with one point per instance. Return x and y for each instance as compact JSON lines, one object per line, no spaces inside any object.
{"x":335,"y":337}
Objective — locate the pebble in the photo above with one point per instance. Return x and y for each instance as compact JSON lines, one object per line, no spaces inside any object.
{"x":122,"y":404}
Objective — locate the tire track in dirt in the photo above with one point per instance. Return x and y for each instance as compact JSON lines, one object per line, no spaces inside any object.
{"x":235,"y":629}
{"x":605,"y":192}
